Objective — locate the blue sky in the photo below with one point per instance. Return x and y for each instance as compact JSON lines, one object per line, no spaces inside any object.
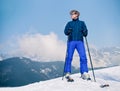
{"x":102,"y":18}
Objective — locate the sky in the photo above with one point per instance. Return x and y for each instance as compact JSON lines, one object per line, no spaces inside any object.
{"x":20,"y":19}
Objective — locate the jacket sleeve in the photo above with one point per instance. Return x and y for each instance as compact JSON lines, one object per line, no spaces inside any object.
{"x":85,"y":31}
{"x":67,"y":29}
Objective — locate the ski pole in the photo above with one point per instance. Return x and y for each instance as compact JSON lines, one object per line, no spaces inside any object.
{"x":64,"y":66}
{"x":90,"y":59}
{"x":63,"y":72}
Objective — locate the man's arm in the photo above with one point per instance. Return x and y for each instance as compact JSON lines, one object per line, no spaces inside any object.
{"x":67,"y":30}
{"x":85,"y":31}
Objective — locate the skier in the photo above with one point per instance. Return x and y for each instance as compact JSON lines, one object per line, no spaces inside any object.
{"x":76,"y":30}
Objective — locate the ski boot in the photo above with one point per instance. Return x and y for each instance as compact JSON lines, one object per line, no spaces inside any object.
{"x":85,"y":76}
{"x":69,"y":79}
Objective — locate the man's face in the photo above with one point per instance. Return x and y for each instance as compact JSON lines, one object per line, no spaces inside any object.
{"x":74,"y":16}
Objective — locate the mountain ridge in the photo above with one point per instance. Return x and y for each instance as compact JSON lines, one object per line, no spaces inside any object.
{"x":18,"y":71}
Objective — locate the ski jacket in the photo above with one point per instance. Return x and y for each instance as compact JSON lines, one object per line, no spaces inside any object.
{"x":75,"y":30}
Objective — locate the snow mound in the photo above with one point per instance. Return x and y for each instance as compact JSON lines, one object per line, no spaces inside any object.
{"x":110,"y":76}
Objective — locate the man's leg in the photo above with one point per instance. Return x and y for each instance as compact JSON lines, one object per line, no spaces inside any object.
{"x":69,"y":56}
{"x":83,"y":59}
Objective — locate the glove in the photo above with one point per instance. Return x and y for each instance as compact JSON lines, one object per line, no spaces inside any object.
{"x":69,"y":30}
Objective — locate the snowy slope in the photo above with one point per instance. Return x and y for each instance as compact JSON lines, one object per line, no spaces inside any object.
{"x":108,"y":75}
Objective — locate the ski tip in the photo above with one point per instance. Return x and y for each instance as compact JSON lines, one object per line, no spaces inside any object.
{"x":105,"y":85}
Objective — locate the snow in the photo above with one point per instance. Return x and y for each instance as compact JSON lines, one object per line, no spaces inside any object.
{"x":110,"y":76}
{"x":46,"y":70}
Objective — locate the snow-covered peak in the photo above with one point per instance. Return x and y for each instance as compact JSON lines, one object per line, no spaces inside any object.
{"x":110,"y":76}
{"x":1,"y":59}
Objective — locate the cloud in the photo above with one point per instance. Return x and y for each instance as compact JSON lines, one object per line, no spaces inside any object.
{"x":42,"y":47}
{"x":39,"y":47}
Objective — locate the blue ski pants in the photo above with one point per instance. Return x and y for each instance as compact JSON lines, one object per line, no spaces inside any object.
{"x":79,"y":46}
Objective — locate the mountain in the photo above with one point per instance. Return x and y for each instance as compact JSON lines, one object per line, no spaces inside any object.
{"x":1,"y":58}
{"x":105,"y":57}
{"x":18,"y":71}
{"x":109,"y":76}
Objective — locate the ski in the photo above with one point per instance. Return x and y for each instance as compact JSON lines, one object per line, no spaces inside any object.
{"x":101,"y":85}
{"x":69,"y":79}
{"x":105,"y":85}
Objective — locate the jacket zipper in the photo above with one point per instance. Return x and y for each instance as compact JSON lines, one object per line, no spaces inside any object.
{"x":76,"y":30}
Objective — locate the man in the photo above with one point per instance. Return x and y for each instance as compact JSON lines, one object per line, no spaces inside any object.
{"x":76,"y":30}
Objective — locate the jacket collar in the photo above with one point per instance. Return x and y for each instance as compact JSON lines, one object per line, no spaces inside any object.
{"x":75,"y":19}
